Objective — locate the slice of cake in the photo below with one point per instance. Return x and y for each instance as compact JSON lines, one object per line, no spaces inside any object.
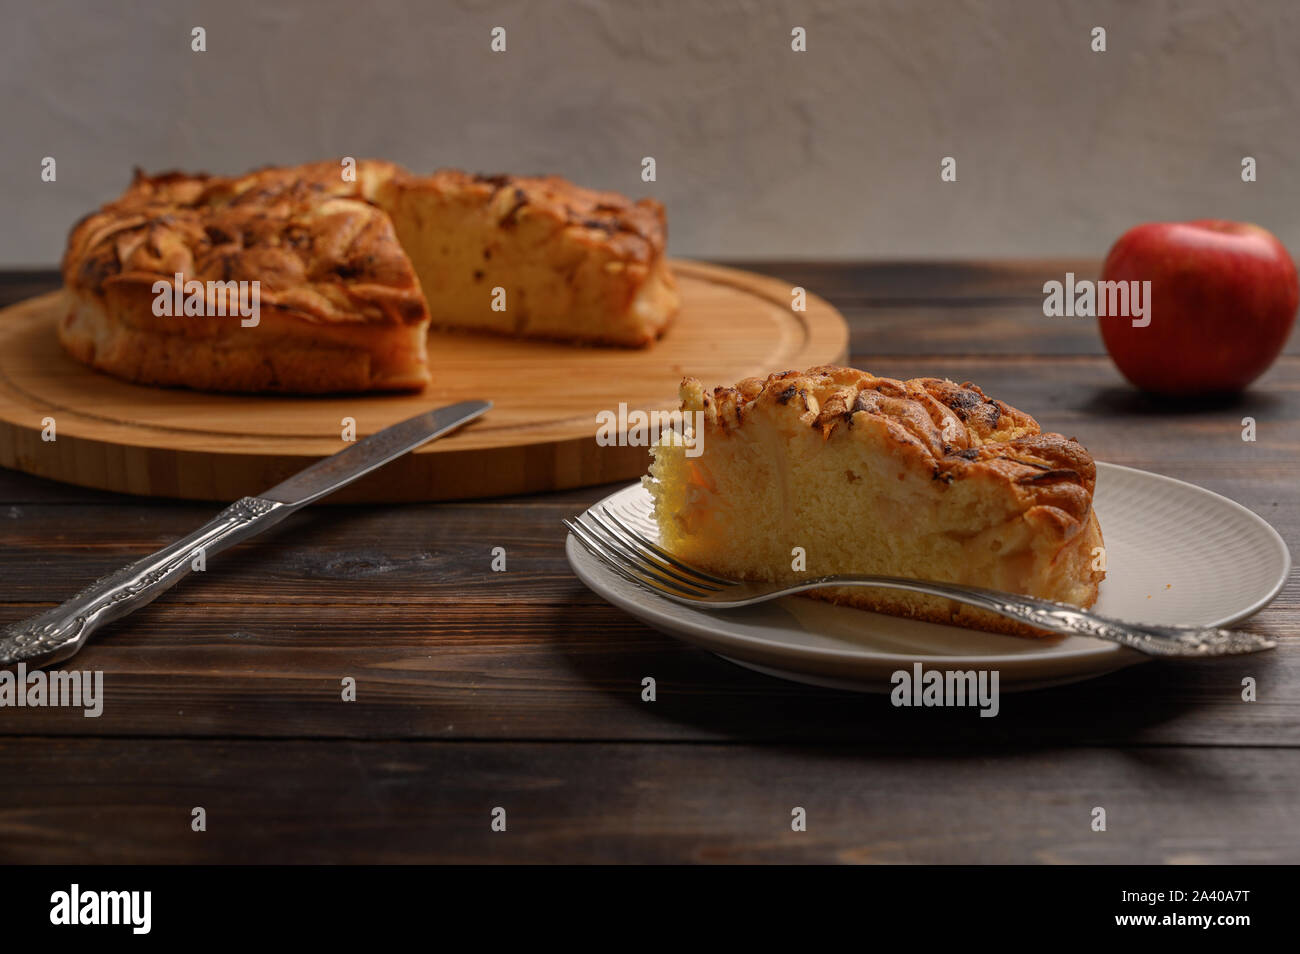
{"x":571,"y":264}
{"x":923,"y":478}
{"x":349,"y":273}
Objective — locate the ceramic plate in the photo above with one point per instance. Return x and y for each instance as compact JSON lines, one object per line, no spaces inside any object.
{"x":1175,"y":553}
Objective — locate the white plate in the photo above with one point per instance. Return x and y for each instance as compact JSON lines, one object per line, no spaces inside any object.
{"x":1175,"y":553}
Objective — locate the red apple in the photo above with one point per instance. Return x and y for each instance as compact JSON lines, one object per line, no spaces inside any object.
{"x":1222,"y":302}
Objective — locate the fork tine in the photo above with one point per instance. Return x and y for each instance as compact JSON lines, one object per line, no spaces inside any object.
{"x":637,"y":560}
{"x":593,"y":546}
{"x":663,"y":554}
{"x":614,"y":529}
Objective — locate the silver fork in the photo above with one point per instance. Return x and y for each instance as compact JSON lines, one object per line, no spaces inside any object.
{"x":630,"y":553}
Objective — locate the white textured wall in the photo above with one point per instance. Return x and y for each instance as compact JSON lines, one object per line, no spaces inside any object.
{"x":761,"y":151}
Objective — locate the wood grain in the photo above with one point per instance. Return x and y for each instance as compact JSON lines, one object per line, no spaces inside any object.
{"x":336,"y":801}
{"x":573,"y":670}
{"x":523,"y":689}
{"x":540,"y":435}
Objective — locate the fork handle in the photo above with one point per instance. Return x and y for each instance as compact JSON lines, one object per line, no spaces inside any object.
{"x":1151,"y":639}
{"x":57,"y":633}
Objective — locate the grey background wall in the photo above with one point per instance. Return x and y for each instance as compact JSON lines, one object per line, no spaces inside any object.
{"x":761,"y":151}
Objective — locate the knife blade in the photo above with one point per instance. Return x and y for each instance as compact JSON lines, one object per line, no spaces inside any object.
{"x":328,"y":475}
{"x":58,"y":633}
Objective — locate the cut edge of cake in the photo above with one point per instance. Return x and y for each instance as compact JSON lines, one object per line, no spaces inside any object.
{"x":573,"y":264}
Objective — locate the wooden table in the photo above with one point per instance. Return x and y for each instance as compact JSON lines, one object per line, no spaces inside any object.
{"x":523,"y":690}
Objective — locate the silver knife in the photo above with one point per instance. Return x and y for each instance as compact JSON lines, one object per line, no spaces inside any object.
{"x":59,"y":632}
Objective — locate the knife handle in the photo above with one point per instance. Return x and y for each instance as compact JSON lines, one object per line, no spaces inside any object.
{"x":57,"y":633}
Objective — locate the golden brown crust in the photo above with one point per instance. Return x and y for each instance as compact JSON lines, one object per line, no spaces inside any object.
{"x":320,"y":250}
{"x":340,"y":308}
{"x":587,"y":266}
{"x":953,"y":430}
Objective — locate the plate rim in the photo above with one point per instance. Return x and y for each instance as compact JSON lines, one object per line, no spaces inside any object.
{"x":710,"y":635}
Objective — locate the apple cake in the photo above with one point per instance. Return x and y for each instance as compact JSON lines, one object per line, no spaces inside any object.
{"x":351,"y":273}
{"x":923,"y":478}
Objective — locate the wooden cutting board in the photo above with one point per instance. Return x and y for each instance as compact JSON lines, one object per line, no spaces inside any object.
{"x":541,"y":434}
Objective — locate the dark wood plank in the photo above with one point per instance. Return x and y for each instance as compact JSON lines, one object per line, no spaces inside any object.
{"x":17,"y":488}
{"x":416,"y":555}
{"x":955,"y":282}
{"x":131,"y":801}
{"x":951,"y":308}
{"x":403,"y":596}
{"x":573,"y":670}
{"x":17,"y":284}
{"x":885,"y":329}
{"x":523,"y":689}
